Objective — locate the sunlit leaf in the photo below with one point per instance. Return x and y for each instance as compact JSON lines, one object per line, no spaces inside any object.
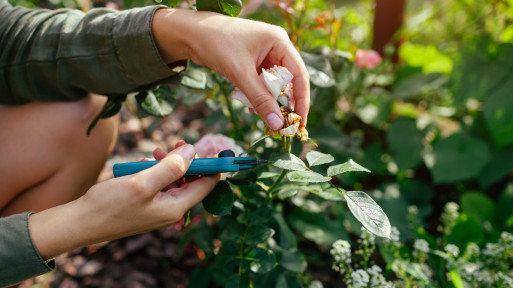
{"x":288,"y":161}
{"x":260,"y":260}
{"x":220,"y":201}
{"x":315,"y":158}
{"x":153,"y":105}
{"x":319,"y":69}
{"x":349,"y":166}
{"x":194,"y":78}
{"x":307,"y":177}
{"x":368,"y":212}
{"x":227,"y":7}
{"x":258,"y":234}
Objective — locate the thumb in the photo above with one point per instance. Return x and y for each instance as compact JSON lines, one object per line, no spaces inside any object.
{"x":263,"y":102}
{"x":168,"y":170}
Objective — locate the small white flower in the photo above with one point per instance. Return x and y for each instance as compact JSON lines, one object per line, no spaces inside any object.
{"x":394,"y":234}
{"x":472,"y":250}
{"x":341,"y":251}
{"x":359,"y":278}
{"x":316,"y":284}
{"x":367,"y":236}
{"x":452,"y":250}
{"x":421,"y":245}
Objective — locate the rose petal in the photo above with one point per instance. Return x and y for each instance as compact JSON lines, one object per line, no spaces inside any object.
{"x":211,"y":144}
{"x":272,"y":82}
{"x":283,"y":74}
{"x":238,"y":95}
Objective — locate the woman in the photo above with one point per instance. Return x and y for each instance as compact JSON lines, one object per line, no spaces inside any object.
{"x":50,"y":62}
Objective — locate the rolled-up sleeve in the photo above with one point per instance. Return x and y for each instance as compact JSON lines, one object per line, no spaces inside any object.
{"x":62,"y":55}
{"x":19,"y":258}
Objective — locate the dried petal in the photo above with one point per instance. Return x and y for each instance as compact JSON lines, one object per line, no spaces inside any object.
{"x":271,"y":132}
{"x":302,"y":134}
{"x":293,"y":118}
{"x":290,"y":131}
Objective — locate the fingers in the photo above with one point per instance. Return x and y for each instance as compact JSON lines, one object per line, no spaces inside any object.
{"x":301,"y":82}
{"x":263,"y":102}
{"x":159,"y":154}
{"x":191,"y":193}
{"x":168,"y":170}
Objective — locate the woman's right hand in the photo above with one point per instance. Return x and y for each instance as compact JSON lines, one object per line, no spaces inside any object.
{"x":122,"y":206}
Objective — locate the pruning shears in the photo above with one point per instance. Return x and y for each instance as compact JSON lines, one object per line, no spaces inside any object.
{"x":227,"y":162}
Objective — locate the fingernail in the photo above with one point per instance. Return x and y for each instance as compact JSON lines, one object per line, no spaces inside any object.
{"x":274,"y":121}
{"x":189,"y":151}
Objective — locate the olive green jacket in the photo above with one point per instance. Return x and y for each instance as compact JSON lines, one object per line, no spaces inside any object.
{"x":61,"y":56}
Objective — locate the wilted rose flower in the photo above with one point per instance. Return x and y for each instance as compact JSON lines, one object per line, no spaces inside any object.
{"x":278,"y":82}
{"x":276,"y":79}
{"x":210,"y":144}
{"x":367,"y":59}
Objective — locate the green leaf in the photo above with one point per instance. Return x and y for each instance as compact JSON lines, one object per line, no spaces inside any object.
{"x":292,"y":260}
{"x":260,"y":260}
{"x":227,"y":7}
{"x":368,"y":212}
{"x":235,"y":281}
{"x":498,"y":168}
{"x":348,"y":166}
{"x":220,"y":201}
{"x":287,"y":161}
{"x":315,"y":158}
{"x":307,"y":177}
{"x":287,"y":191}
{"x":405,"y":142}
{"x":194,"y":78}
{"x":258,"y":234}
{"x":504,"y":210}
{"x":331,"y":194}
{"x":243,"y":177}
{"x":151,"y":104}
{"x":287,"y":281}
{"x":458,"y":157}
{"x":319,"y":69}
{"x":406,"y":270}
{"x":286,"y":237}
{"x":478,"y":205}
{"x":418,"y":84}
{"x":498,"y":113}
{"x":466,"y":229}
{"x":317,"y":227}
{"x":261,"y":215}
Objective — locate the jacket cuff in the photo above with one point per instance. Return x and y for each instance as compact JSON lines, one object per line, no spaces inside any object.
{"x":137,"y":52}
{"x":19,"y":258}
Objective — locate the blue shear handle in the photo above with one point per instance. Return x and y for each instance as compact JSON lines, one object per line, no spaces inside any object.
{"x":201,"y":166}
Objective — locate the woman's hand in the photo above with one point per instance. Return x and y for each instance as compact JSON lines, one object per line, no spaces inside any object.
{"x":238,"y":49}
{"x":122,"y":206}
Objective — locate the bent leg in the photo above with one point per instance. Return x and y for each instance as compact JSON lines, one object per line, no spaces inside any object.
{"x":46,"y":157}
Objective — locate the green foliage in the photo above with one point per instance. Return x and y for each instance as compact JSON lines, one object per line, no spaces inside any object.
{"x":227,"y":7}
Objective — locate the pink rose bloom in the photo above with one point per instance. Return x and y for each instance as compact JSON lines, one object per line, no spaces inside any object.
{"x":210,"y":144}
{"x":367,"y":59}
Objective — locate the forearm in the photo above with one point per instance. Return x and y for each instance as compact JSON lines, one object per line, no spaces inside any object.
{"x":60,"y":229}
